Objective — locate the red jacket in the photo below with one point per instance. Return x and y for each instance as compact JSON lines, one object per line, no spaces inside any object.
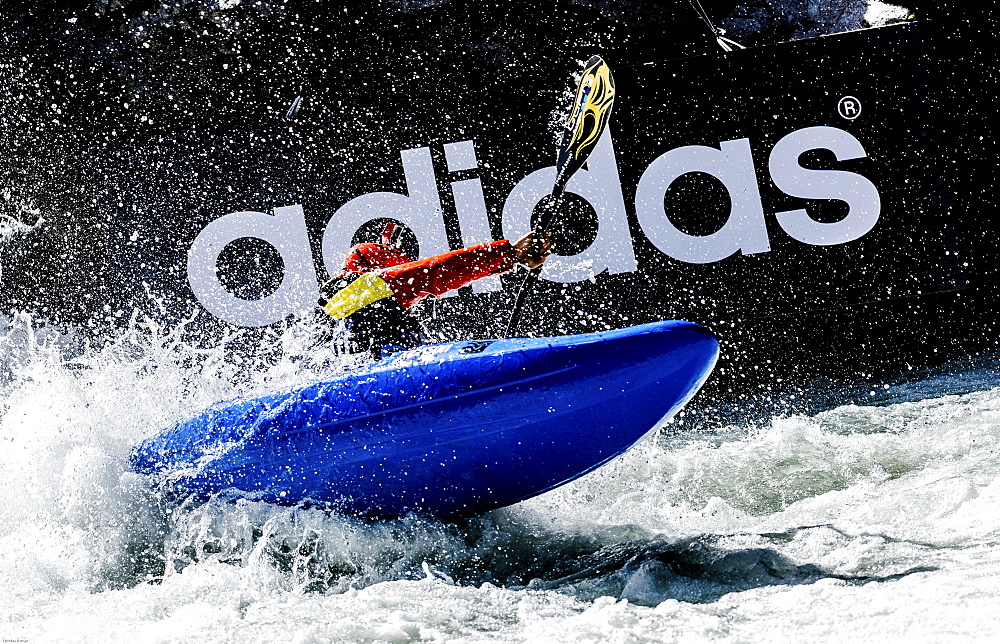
{"x":413,"y":281}
{"x":385,"y":271}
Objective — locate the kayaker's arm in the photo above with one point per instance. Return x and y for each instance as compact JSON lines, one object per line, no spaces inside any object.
{"x":435,"y":276}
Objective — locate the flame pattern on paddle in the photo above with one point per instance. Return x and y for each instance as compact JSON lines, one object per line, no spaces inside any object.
{"x":595,"y":97}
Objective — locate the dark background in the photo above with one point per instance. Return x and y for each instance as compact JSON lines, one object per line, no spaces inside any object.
{"x":128,"y":126}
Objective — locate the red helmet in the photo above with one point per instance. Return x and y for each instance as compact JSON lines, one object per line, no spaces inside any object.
{"x":363,"y":258}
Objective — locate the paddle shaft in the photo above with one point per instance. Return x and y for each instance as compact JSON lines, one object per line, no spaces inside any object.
{"x":537,"y":239}
{"x":590,"y":113}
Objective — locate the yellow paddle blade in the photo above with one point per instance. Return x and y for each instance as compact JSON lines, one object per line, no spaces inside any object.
{"x":595,"y":97}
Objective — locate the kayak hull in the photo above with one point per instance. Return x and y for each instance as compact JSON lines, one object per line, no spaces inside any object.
{"x":448,"y":430}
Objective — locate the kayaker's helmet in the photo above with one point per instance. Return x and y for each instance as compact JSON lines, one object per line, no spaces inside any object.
{"x":363,"y":258}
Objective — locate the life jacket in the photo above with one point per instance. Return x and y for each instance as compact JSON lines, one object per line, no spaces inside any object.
{"x":374,"y":319}
{"x":378,"y":283}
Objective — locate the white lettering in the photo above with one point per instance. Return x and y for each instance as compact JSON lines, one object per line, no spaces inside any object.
{"x":420,"y":210}
{"x":732,"y":164}
{"x":600,"y":184}
{"x":470,"y":204}
{"x":859,"y":193}
{"x":286,"y":231}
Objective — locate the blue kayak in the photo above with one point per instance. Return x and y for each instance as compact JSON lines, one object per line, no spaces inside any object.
{"x":447,"y":430}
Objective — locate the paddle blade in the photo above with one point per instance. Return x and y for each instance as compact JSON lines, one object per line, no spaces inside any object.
{"x":595,"y":97}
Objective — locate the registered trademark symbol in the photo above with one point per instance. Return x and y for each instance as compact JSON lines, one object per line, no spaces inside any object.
{"x":849,"y":107}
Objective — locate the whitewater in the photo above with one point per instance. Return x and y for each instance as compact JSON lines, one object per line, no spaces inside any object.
{"x":850,"y":511}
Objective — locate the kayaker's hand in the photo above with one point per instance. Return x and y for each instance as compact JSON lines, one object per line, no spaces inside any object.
{"x":524,"y":252}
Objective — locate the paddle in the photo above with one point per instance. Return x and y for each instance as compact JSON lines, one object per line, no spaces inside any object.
{"x":588,"y":117}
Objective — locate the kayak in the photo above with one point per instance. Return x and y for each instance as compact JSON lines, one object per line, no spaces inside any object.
{"x":449,"y":430}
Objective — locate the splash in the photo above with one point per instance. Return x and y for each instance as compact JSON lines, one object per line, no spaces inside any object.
{"x":21,"y":217}
{"x":73,"y":407}
{"x":749,"y":530}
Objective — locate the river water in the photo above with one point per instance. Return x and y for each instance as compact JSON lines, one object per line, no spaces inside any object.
{"x":871,"y":514}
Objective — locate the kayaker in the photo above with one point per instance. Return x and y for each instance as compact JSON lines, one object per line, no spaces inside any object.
{"x":378,"y":284}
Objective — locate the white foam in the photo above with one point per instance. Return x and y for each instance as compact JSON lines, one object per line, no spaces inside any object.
{"x":868,"y":494}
